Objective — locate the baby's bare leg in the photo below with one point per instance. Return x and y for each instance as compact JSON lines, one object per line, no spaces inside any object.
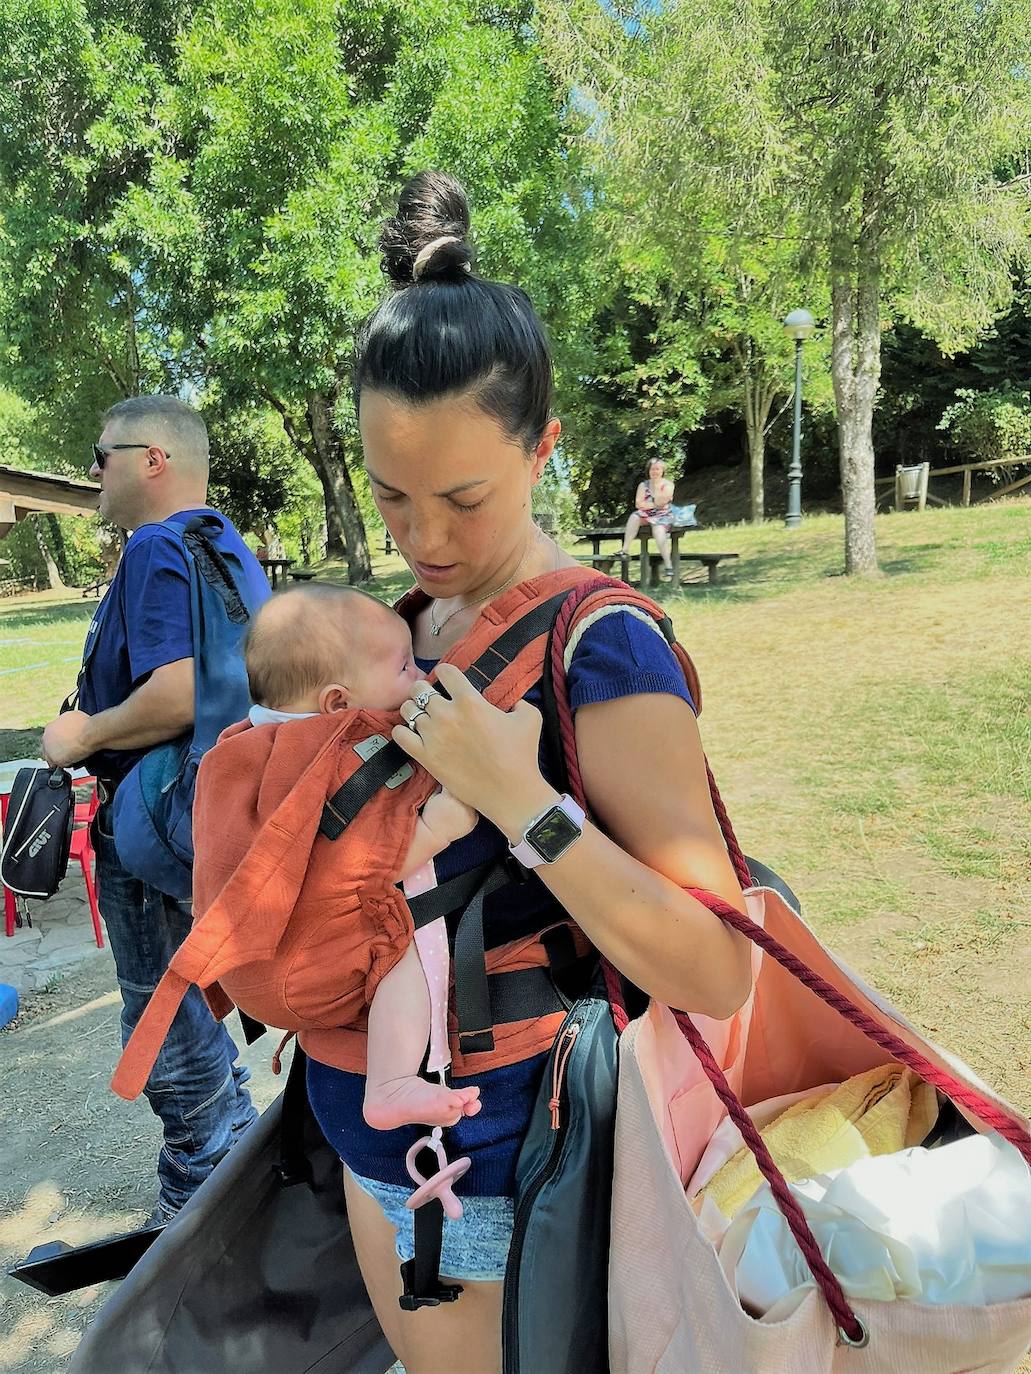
{"x":399,"y":1028}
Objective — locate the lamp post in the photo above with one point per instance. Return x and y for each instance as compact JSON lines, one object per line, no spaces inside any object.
{"x":798,"y":326}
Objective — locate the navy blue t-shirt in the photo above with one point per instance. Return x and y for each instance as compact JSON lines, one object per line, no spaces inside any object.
{"x":144,"y":622}
{"x":621,"y":654}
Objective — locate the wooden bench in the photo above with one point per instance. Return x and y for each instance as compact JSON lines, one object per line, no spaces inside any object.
{"x":604,"y":561}
{"x":301,"y":575}
{"x":708,"y":560}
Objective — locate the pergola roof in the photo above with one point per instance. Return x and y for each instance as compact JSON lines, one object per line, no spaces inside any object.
{"x":23,"y":493}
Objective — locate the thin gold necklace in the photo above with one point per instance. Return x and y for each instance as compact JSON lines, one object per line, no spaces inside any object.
{"x":435,"y":629}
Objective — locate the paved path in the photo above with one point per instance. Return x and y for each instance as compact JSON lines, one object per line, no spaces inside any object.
{"x":59,"y":940}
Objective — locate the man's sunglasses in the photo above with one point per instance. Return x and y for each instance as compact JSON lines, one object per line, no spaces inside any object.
{"x":100,"y":455}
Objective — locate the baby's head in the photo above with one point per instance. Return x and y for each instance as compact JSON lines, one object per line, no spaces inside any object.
{"x":325,"y":648}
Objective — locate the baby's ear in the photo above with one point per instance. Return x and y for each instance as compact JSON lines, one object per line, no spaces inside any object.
{"x":333,"y":697}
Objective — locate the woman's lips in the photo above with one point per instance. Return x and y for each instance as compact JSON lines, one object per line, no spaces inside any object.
{"x":434,"y":572}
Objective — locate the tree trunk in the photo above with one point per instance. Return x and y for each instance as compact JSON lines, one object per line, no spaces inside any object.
{"x":756,"y":467}
{"x":754,"y":425}
{"x":345,"y":527}
{"x":856,"y":370}
{"x":56,"y":584}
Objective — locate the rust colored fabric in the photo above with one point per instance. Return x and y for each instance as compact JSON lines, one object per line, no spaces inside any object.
{"x":298,"y":930}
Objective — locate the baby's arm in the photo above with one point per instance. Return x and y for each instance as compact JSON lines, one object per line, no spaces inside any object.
{"x":442,"y":820}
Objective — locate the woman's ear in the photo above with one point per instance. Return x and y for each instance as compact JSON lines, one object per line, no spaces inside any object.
{"x":546,"y":447}
{"x":333,"y":697}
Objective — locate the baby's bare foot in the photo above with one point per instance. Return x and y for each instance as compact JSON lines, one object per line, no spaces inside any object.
{"x":414,"y":1102}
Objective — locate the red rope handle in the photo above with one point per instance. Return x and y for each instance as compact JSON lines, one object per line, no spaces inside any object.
{"x":982,"y":1107}
{"x":987,"y":1111}
{"x":831,"y":1289}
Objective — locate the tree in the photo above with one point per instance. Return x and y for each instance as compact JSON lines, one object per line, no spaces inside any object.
{"x":717,"y":297}
{"x":868,"y":132}
{"x":292,"y":126}
{"x":192,"y":196}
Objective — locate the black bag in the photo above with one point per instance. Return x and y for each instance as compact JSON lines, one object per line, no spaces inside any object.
{"x":38,"y":834}
{"x":257,"y":1274}
{"x":555,"y":1318}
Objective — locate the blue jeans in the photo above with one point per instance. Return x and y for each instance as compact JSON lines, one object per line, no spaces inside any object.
{"x":196,"y":1087}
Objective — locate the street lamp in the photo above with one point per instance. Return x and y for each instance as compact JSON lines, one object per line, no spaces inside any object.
{"x":798,"y":326}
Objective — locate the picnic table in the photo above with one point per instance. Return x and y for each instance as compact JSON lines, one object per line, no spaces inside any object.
{"x":604,"y":561}
{"x":275,"y":569}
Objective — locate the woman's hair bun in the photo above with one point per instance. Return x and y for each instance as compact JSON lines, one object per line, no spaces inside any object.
{"x":427,"y":240}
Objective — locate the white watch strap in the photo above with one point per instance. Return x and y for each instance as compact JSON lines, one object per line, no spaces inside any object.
{"x":524,"y":850}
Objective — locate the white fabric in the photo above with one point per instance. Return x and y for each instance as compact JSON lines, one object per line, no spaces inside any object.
{"x":265,"y":715}
{"x":939,"y":1226}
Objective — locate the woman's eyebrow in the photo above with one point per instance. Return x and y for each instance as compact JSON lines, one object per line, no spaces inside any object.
{"x":451,"y":491}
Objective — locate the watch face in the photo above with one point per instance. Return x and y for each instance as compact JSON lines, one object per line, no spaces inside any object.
{"x":552,"y":835}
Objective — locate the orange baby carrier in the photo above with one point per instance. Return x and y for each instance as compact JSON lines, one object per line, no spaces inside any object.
{"x":296,"y":928}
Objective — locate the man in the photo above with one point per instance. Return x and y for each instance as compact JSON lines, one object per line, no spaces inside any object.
{"x":136,"y":691}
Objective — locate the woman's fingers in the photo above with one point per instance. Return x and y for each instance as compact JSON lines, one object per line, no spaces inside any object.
{"x":456,"y":682}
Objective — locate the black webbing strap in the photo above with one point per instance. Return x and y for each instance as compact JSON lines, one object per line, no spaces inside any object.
{"x":252,"y":1029}
{"x":472,"y":996}
{"x":420,"y":1276}
{"x":449,"y":896}
{"x":294,"y":1166}
{"x":365,"y":782}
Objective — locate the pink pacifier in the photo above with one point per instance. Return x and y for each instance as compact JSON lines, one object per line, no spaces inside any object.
{"x":439,"y":1185}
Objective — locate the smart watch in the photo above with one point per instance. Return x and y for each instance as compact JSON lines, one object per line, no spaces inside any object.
{"x":550,"y":834}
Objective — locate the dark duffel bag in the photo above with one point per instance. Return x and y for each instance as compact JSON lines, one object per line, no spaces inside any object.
{"x":38,"y":833}
{"x":257,"y":1274}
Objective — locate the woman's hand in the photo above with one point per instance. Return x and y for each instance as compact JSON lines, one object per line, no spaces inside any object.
{"x":485,"y":757}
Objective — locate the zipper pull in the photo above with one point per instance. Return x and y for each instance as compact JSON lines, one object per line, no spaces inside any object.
{"x":558,"y":1072}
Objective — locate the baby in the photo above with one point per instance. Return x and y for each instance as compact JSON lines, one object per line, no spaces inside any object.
{"x":319,"y":649}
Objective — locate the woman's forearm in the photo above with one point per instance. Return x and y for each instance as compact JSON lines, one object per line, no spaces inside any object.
{"x":662,"y":939}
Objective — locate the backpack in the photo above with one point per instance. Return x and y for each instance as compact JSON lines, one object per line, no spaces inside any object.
{"x":153,"y":805}
{"x":38,"y":834}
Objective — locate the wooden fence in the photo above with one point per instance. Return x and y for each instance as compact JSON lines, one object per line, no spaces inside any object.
{"x":967,"y":469}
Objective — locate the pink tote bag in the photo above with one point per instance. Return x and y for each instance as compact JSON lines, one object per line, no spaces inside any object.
{"x":671,"y":1309}
{"x":809,"y":1021}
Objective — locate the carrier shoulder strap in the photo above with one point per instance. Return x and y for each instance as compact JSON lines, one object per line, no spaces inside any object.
{"x":502,"y":656}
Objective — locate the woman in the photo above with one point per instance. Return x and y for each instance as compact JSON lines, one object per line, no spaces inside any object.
{"x":453,"y":388}
{"x":654,"y":506}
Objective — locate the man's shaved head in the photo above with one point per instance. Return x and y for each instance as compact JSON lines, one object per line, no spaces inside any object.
{"x":306,"y":637}
{"x":166,"y":422}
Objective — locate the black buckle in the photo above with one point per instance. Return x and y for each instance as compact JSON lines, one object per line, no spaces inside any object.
{"x":441,"y":1292}
{"x":514,"y":870}
{"x":288,"y":1175}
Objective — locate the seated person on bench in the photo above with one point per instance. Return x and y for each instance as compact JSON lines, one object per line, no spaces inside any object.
{"x":654,"y":506}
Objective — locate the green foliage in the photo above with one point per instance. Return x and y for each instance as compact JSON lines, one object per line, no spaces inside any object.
{"x":987,"y":425}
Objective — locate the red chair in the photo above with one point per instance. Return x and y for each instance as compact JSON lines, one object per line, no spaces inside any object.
{"x":81,"y":849}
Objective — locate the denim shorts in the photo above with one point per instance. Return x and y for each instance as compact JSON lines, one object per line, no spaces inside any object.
{"x":475,"y":1248}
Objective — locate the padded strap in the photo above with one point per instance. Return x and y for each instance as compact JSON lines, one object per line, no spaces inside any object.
{"x":365,"y":782}
{"x":144,"y":1045}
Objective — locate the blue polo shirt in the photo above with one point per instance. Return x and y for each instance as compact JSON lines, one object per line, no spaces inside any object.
{"x":144,"y":622}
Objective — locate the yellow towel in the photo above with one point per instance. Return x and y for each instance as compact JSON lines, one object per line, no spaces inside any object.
{"x":874,"y":1113}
